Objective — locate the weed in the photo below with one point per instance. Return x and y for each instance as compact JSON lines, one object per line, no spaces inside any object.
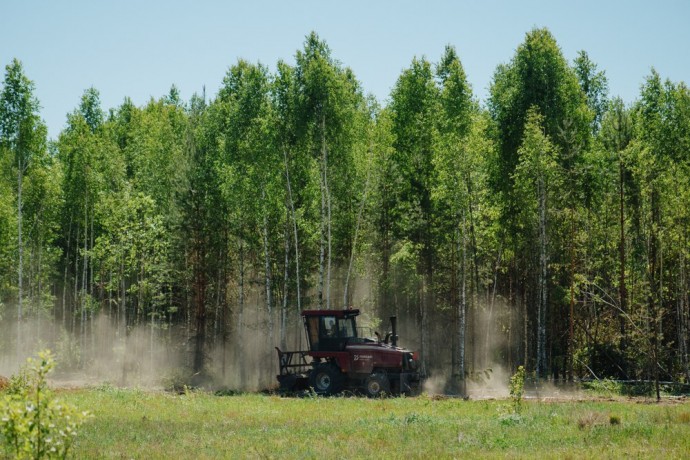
{"x":614,"y":420}
{"x":517,"y":389}
{"x":34,"y":424}
{"x":188,"y":391}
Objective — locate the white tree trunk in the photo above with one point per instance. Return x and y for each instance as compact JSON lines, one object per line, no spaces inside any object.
{"x":322,"y":244}
{"x":20,"y":248}
{"x":354,"y":238}
{"x":294,"y":229}
{"x":286,"y":278}
{"x":267,"y":275}
{"x":425,"y":325}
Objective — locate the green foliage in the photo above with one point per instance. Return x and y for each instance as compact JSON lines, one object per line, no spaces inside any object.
{"x":21,"y":130}
{"x":594,"y":85}
{"x":517,"y":389}
{"x":33,"y":423}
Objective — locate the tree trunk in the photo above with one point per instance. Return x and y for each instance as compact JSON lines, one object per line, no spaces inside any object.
{"x":462,"y":308}
{"x":354,"y":239}
{"x":200,"y":305}
{"x":681,"y":316}
{"x":654,"y":290}
{"x":327,"y":193}
{"x":64,"y":280}
{"x":571,"y":318}
{"x":85,"y":264}
{"x":123,"y":321}
{"x":240,"y":320}
{"x":75,"y":295}
{"x":543,"y":294}
{"x":267,"y":277}
{"x":322,"y":244}
{"x":286,"y":279}
{"x":294,"y":228}
{"x":20,"y":248}
{"x":489,"y":320}
{"x":424,"y":330}
{"x":623,"y":293}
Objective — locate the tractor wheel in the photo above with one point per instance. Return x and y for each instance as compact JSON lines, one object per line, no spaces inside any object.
{"x":326,"y":379}
{"x":377,"y":384}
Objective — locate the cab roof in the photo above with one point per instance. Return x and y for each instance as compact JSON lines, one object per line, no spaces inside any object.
{"x":350,"y":312}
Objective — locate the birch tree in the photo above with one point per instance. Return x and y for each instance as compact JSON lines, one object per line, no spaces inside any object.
{"x":536,"y":179}
{"x":22,"y":135}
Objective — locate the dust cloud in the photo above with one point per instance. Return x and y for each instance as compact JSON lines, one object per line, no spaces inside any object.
{"x":160,"y":356}
{"x":100,"y":353}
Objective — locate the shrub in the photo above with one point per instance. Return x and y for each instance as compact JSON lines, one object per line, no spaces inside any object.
{"x":517,"y":389}
{"x":33,"y":423}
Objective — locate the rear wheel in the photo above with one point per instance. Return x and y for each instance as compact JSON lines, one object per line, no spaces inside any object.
{"x":326,"y":379}
{"x":377,"y":384}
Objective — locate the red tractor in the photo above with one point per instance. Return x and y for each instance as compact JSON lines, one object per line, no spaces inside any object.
{"x":338,"y":359}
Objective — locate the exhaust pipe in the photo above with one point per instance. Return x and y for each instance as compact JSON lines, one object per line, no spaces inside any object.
{"x":394,"y":330}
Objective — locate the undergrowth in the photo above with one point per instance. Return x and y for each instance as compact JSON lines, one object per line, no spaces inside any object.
{"x":33,"y":423}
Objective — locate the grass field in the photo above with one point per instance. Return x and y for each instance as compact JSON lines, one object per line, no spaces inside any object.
{"x":143,"y":424}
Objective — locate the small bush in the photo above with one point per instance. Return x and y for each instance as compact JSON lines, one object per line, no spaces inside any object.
{"x":34,"y":424}
{"x":614,"y":420}
{"x":517,"y":389}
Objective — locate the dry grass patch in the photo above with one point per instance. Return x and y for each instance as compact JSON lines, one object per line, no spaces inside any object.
{"x":591,"y":419}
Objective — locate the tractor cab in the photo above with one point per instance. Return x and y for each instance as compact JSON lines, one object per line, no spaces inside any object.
{"x":330,"y":330}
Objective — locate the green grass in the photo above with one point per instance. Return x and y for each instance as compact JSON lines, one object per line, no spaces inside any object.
{"x":141,"y":424}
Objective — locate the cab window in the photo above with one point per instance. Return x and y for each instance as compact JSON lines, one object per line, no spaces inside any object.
{"x":328,"y":327}
{"x":346,"y":326}
{"x":313,"y":328}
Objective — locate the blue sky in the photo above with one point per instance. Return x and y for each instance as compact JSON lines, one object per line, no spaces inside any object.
{"x":139,"y":48}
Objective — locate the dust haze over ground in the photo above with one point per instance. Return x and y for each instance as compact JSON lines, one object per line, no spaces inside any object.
{"x":159,"y":356}
{"x":145,"y":357}
{"x":101,"y":354}
{"x":487,"y":346}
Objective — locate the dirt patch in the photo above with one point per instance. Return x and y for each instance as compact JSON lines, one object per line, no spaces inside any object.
{"x":4,"y":383}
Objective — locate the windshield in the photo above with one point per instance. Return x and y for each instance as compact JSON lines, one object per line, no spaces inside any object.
{"x":346,"y":326}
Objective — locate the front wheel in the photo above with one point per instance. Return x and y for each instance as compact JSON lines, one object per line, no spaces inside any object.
{"x":326,"y":379}
{"x":377,"y":384}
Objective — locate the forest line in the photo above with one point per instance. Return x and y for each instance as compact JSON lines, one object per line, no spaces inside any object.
{"x":546,"y":227}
